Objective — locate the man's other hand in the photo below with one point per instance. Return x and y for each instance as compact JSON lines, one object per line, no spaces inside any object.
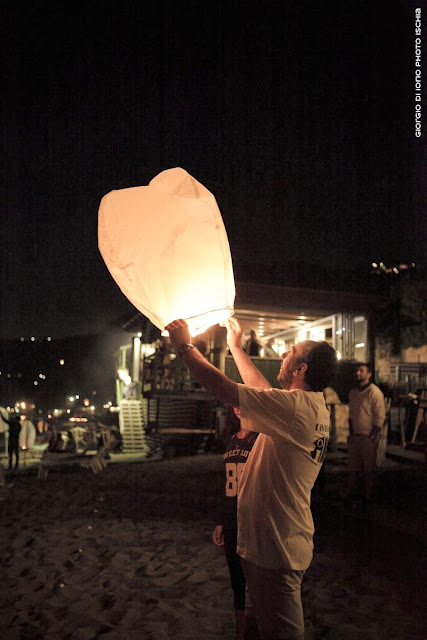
{"x":234,"y":333}
{"x":179,"y":333}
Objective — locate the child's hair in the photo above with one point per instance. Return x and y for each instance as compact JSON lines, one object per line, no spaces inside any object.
{"x":231,"y":425}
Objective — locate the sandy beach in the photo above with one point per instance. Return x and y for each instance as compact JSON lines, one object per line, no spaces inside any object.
{"x":127,"y":554}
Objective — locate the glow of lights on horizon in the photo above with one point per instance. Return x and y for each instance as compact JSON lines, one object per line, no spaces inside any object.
{"x":396,"y":269}
{"x":33,"y":338}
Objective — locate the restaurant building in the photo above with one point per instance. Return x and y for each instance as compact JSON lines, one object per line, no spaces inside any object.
{"x":161,"y":405}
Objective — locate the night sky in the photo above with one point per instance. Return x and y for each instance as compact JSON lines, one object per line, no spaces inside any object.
{"x":298,"y":116}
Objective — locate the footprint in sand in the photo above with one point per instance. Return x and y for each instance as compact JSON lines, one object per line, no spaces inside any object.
{"x":171,"y":578}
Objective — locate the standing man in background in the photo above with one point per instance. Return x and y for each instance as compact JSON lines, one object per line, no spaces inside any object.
{"x":366,"y":419}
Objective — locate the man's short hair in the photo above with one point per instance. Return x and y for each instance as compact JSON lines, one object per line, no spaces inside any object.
{"x":322,"y":365}
{"x":365,"y":364}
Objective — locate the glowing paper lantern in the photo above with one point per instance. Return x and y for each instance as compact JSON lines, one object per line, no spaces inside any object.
{"x":166,"y":247}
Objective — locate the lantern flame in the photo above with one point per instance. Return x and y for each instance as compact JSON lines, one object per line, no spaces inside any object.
{"x":201,"y":323}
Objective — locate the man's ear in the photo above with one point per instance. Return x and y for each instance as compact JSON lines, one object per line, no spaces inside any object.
{"x":302,"y":368}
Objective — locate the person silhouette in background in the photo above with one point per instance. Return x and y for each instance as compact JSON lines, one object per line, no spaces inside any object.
{"x":130,"y":388}
{"x":269,"y":351}
{"x":13,"y":444}
{"x":238,"y":445}
{"x":54,"y":437}
{"x":253,"y":346}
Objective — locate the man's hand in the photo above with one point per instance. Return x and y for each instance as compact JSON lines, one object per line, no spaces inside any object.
{"x":179,"y":333}
{"x":211,"y":379}
{"x":375,"y":432}
{"x":234,"y":333}
{"x":218,"y":536}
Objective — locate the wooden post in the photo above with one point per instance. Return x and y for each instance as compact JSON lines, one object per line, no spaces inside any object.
{"x":402,"y":425}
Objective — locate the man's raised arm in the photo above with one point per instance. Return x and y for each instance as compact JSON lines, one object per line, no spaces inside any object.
{"x":250,"y":374}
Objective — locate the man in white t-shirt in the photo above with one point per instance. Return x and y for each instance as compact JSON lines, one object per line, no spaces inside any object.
{"x":275,"y":526}
{"x":366,"y":419}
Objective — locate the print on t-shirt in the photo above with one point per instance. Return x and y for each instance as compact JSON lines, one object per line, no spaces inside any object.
{"x":233,"y":473}
{"x":321,"y":443}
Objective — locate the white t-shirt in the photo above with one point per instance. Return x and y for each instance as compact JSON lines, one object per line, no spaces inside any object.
{"x":367,"y":409}
{"x":275,"y":525}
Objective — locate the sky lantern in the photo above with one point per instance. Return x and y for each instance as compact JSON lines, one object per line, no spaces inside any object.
{"x":166,"y":246}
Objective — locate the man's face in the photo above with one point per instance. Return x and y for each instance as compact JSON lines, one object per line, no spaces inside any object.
{"x":363,"y":375}
{"x":288,"y":366}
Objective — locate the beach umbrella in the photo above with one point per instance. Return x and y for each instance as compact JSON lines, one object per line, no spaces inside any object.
{"x":166,"y":246}
{"x":27,"y":435}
